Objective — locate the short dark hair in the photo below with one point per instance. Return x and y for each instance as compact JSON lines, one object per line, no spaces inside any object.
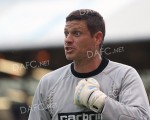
{"x":94,"y":20}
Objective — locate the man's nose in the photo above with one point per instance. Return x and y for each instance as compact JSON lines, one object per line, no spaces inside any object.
{"x":69,"y":38}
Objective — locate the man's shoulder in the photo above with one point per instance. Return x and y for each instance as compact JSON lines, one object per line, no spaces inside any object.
{"x":119,"y":71}
{"x":54,"y":75}
{"x":117,"y":65}
{"x":116,"y":68}
{"x":57,"y":72}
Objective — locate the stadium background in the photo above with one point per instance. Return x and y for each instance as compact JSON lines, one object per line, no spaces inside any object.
{"x":31,"y":44}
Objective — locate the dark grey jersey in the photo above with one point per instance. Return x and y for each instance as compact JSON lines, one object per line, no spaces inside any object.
{"x":127,"y":99}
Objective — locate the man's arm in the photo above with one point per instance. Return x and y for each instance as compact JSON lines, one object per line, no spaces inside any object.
{"x":133,"y":102}
{"x":39,"y":109}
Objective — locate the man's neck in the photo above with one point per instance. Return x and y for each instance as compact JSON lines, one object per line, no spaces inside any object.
{"x":87,"y":65}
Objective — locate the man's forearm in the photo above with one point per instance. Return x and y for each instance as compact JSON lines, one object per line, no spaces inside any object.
{"x":114,"y":110}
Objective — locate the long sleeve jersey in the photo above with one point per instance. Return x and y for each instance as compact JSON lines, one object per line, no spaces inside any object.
{"x":126,"y":96}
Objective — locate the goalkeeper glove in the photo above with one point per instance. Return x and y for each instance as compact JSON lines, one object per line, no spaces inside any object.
{"x":88,"y":93}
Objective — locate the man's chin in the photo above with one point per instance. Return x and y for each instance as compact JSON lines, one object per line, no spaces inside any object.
{"x":69,"y":57}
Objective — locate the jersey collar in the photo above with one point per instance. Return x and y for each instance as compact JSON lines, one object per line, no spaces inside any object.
{"x":100,"y":68}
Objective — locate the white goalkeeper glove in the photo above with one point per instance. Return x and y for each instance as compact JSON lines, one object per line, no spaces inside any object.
{"x":88,"y":93}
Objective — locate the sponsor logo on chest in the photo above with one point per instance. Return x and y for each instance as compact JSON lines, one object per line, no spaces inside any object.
{"x":79,"y":116}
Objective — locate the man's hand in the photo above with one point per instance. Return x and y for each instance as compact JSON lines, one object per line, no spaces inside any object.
{"x":88,"y":93}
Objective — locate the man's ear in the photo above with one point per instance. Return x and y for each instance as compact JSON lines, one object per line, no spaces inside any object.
{"x":98,"y":38}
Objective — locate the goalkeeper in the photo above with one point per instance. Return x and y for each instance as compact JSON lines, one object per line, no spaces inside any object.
{"x":90,"y":88}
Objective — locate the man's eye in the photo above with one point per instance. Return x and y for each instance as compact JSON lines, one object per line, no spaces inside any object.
{"x":66,"y":33}
{"x":77,"y":33}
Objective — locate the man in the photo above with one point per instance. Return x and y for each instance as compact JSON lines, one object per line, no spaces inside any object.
{"x":90,"y":88}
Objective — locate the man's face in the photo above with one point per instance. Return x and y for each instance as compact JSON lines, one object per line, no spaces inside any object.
{"x":78,"y":40}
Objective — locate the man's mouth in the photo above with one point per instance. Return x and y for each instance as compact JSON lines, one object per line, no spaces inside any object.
{"x":69,"y":49}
